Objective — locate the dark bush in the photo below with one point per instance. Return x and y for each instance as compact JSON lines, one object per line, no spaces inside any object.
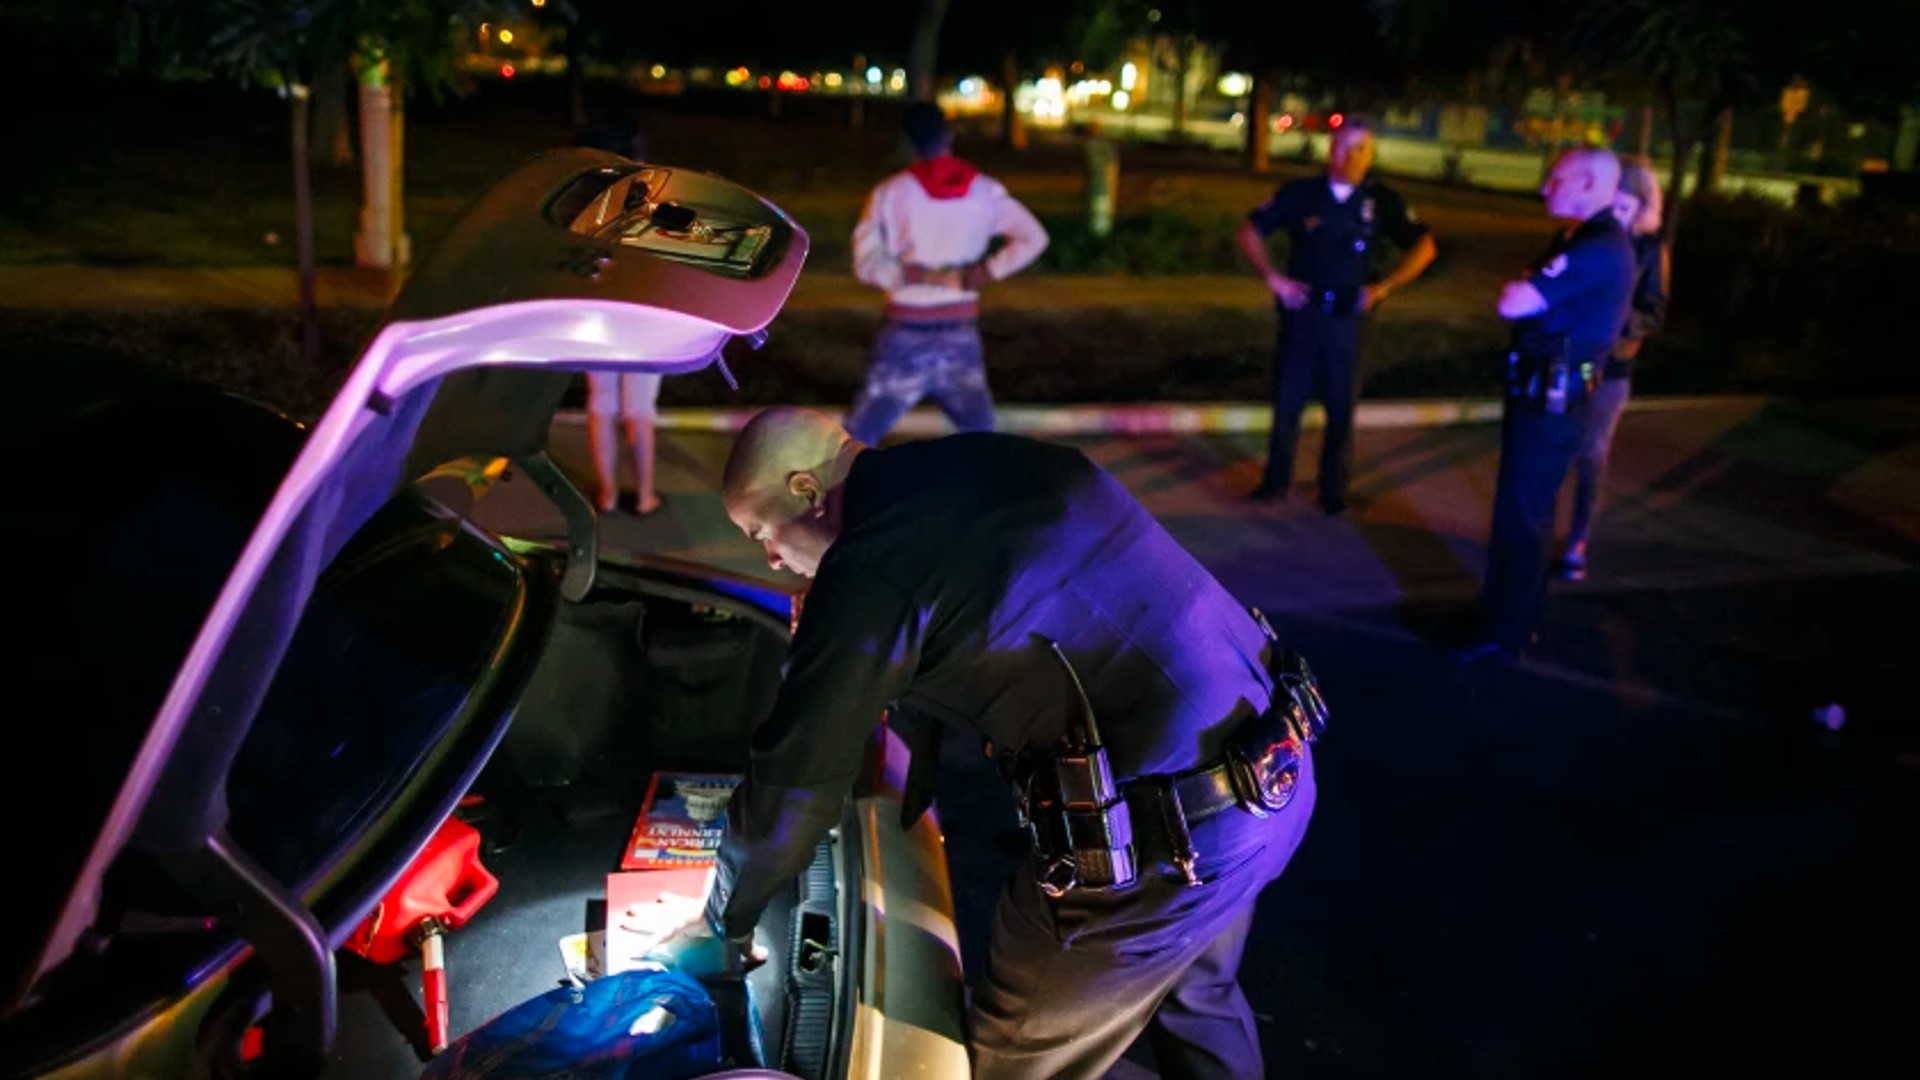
{"x":1158,"y":241}
{"x":1163,"y":240}
{"x":1768,"y":298}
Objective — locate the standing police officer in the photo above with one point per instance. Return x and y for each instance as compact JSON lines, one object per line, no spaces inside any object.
{"x":1567,"y":313}
{"x":1154,"y":734}
{"x":1328,"y":286}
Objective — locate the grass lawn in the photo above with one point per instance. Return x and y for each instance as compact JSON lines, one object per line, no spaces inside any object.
{"x":200,"y":176}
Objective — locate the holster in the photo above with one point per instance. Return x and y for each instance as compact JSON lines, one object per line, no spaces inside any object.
{"x":1265,"y":753}
{"x":1077,"y":818}
{"x":1542,"y":376}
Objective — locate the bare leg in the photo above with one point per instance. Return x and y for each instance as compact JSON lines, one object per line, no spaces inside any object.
{"x":640,"y":438}
{"x":605,"y":461}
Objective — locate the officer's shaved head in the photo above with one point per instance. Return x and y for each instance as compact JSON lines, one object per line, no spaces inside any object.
{"x":776,"y":443}
{"x":782,"y":482}
{"x":1582,"y":184}
{"x":1350,"y":151}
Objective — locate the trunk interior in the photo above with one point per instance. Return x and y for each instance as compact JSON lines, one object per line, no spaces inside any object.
{"x":393,"y":689}
{"x":641,"y":676}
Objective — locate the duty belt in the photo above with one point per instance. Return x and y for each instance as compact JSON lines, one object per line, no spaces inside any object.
{"x":1082,"y":823}
{"x":1549,"y":380}
{"x":1339,"y":301}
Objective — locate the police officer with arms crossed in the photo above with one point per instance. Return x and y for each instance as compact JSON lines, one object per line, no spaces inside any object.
{"x":1566,"y":314}
{"x":1153,"y":732}
{"x":1331,"y":222}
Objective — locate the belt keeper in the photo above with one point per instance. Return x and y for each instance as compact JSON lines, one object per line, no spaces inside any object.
{"x":1184,"y":855}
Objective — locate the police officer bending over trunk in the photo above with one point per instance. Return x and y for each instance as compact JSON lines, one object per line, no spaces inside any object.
{"x":1331,"y":223}
{"x":1153,"y":733}
{"x":1566,"y":314}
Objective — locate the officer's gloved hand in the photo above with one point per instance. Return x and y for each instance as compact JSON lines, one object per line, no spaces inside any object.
{"x":687,"y":943}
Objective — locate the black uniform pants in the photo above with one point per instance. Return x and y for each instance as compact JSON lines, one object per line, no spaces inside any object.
{"x":1536,"y":449}
{"x":1318,"y":355}
{"x":1070,"y":983}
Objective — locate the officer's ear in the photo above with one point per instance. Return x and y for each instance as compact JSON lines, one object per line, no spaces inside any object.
{"x":806,"y":486}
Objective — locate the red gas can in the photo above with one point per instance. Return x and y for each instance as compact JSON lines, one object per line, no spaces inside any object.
{"x":440,"y":891}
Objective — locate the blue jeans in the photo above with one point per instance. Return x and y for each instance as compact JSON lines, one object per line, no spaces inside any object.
{"x":911,"y":361}
{"x":1609,"y":400}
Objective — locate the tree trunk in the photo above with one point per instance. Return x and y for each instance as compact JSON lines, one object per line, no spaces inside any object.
{"x":1646,"y":131}
{"x":331,"y":114}
{"x":923,"y":55}
{"x":1259,"y":112}
{"x":127,"y":38}
{"x":1676,"y":181}
{"x":1550,"y":146}
{"x":857,"y":97}
{"x":1181,"y":67}
{"x":1713,"y":159}
{"x":1103,"y":184}
{"x":373,"y":244}
{"x":573,"y":47}
{"x":1013,"y":133}
{"x":1906,"y":139}
{"x":397,"y":191}
{"x":301,"y":95}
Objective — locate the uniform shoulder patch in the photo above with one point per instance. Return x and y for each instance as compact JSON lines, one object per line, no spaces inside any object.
{"x":1555,"y":266}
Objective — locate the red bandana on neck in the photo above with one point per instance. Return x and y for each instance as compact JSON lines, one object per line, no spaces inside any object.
{"x":944,"y":177}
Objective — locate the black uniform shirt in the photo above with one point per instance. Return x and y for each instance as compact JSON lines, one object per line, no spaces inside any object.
{"x":1330,"y":240}
{"x":1586,"y":277}
{"x":958,"y":560}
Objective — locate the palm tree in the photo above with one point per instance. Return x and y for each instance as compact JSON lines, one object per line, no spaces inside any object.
{"x":1687,"y":50}
{"x":403,"y":47}
{"x":923,"y":54}
{"x":285,"y":44}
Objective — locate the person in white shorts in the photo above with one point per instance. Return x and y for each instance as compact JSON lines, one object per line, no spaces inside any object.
{"x":634,"y":399}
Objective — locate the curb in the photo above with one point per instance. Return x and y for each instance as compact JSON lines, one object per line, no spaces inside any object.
{"x":1162,"y":418}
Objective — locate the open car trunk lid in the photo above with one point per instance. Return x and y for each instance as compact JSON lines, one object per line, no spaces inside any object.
{"x":555,"y":270}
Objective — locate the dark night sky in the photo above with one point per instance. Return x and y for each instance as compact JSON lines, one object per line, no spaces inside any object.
{"x":830,"y":32}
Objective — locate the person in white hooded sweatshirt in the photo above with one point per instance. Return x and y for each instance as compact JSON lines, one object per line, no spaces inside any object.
{"x":925,"y":237}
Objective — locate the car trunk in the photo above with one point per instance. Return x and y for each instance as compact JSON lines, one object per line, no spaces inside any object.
{"x":419,"y":639}
{"x":652,"y":671}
